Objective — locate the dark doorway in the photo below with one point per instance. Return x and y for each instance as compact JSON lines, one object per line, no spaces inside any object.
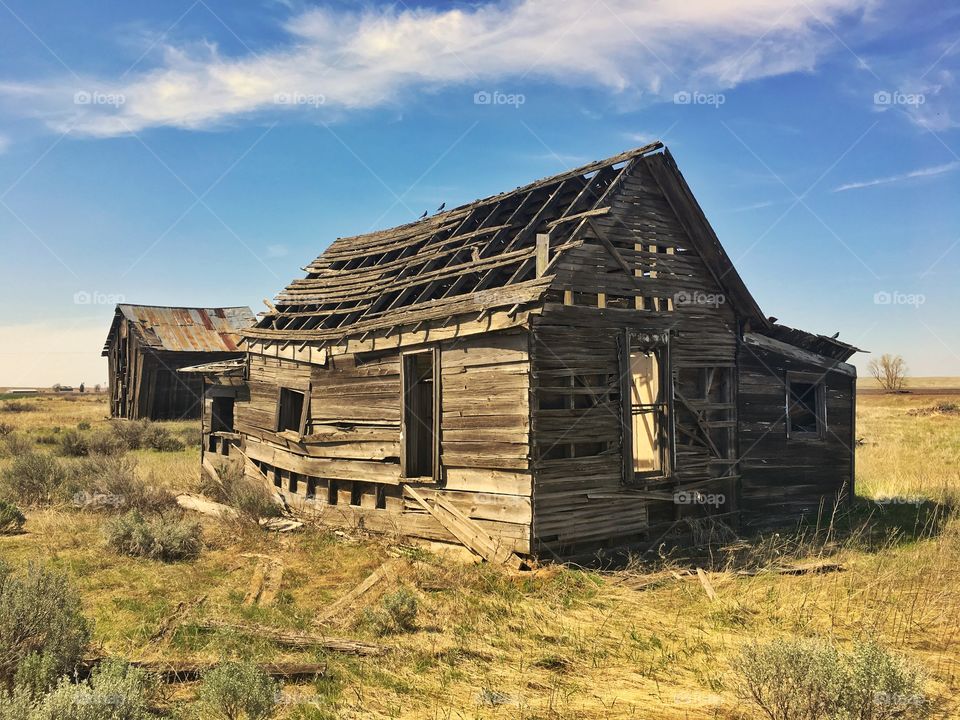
{"x":420,"y":415}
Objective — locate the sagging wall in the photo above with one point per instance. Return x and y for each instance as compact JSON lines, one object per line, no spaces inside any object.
{"x":347,"y":469}
{"x":785,"y":479}
{"x":582,"y":500}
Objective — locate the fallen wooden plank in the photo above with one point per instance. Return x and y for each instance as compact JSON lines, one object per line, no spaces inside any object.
{"x":200,"y":504}
{"x":707,"y":587}
{"x":169,"y":624}
{"x":280,"y":525}
{"x":179,"y":671}
{"x":351,"y":597}
{"x":466,"y":531}
{"x":296,"y":640}
{"x":810,"y":568}
{"x":265,"y":583}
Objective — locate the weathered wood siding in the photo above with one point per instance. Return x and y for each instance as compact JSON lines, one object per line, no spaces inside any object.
{"x":353,"y":437}
{"x":785,"y":479}
{"x":582,"y":500}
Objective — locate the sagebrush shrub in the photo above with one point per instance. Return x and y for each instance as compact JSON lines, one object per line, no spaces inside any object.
{"x":74,"y":444}
{"x":11,"y":518}
{"x":6,"y":429}
{"x":131,"y":432}
{"x":33,"y":479}
{"x":238,"y":691}
{"x":165,"y":538}
{"x":18,"y":406}
{"x":105,"y":442}
{"x":157,"y":437}
{"x":43,"y":634}
{"x":812,"y":680}
{"x":111,"y":482}
{"x":115,"y":691}
{"x":14,"y":444}
{"x":397,"y":613}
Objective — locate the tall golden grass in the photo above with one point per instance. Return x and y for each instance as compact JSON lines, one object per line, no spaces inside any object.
{"x":560,"y":642}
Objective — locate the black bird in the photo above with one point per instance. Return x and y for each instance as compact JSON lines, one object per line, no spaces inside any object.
{"x":835,"y":336}
{"x":424,"y":215}
{"x":442,"y":206}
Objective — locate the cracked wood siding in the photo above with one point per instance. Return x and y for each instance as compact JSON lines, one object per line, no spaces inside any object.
{"x":354,"y":436}
{"x":580,"y":502}
{"x":785,"y":479}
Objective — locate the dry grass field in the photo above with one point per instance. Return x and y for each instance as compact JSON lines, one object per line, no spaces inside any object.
{"x":645,"y":641}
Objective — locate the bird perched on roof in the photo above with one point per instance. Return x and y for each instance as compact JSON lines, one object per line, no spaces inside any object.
{"x":442,"y":206}
{"x":835,"y":335}
{"x":424,"y":215}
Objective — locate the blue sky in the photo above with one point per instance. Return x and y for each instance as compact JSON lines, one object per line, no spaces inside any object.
{"x":200,"y":153}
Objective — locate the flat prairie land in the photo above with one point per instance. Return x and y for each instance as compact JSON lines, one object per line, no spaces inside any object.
{"x":642,"y":641}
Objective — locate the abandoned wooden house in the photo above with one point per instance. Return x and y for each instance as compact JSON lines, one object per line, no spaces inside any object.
{"x":146,"y":346}
{"x":571,"y":365}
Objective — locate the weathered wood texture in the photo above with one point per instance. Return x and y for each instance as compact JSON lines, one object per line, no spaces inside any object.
{"x":579,"y":494}
{"x":787,"y":478}
{"x":346,"y":469}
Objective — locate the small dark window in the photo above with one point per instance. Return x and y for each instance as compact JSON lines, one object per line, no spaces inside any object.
{"x":333,"y":492}
{"x":221,"y":415}
{"x":290,"y":410}
{"x":806,"y":406}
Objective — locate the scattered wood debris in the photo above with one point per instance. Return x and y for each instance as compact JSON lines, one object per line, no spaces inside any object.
{"x":809,"y":568}
{"x":180,"y":671}
{"x":280,"y":525}
{"x":351,"y":597}
{"x":170,"y":623}
{"x":466,"y":531}
{"x":205,"y":506}
{"x":296,"y":640}
{"x":707,"y":587}
{"x":265,"y":583}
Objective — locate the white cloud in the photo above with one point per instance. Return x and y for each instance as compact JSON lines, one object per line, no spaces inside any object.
{"x":4,"y":144}
{"x":921,"y":172}
{"x":337,"y":61}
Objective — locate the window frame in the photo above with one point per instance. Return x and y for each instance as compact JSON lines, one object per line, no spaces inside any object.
{"x":820,"y":411}
{"x":305,"y":390}
{"x":659,"y":342}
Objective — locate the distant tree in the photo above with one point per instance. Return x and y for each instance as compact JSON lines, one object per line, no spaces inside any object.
{"x":56,"y":387}
{"x":82,"y":389}
{"x":890,"y":371}
{"x":97,"y":388}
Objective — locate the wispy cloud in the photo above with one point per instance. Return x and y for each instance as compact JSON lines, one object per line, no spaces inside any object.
{"x":4,"y":144}
{"x":336,"y":61}
{"x":921,"y":172}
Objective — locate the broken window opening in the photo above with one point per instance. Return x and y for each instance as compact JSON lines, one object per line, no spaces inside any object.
{"x":806,"y":406}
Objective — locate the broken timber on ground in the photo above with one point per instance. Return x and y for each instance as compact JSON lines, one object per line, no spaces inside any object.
{"x":562,"y":368}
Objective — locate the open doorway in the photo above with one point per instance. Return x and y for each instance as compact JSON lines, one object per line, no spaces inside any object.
{"x":421,"y":415}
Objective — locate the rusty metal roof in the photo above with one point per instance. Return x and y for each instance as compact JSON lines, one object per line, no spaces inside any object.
{"x":183,"y":329}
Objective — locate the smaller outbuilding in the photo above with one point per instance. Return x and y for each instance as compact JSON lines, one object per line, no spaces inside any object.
{"x":147,"y":345}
